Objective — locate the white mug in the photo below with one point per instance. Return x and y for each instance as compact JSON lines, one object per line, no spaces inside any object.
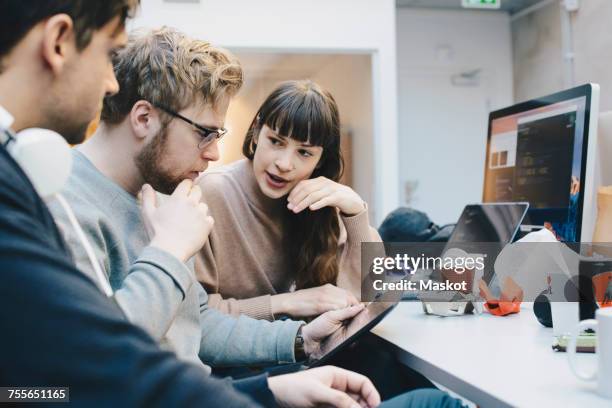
{"x":603,"y":327}
{"x":565,"y":316}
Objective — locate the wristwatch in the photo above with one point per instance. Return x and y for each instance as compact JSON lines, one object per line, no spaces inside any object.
{"x":298,"y":347}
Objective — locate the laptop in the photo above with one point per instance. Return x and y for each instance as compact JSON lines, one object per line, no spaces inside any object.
{"x":493,"y":223}
{"x":498,"y":222}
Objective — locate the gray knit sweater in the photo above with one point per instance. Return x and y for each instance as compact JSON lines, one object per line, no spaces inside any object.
{"x":155,"y":290}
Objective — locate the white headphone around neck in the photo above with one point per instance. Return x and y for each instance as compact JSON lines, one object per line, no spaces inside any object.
{"x":45,"y":157}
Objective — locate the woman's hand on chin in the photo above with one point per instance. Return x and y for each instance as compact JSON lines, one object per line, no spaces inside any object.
{"x":322,"y":192}
{"x":313,"y":301}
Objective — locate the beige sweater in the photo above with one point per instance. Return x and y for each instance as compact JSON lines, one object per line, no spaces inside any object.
{"x":242,"y":265}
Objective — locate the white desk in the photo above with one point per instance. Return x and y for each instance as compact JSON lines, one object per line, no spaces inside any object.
{"x":492,"y":361}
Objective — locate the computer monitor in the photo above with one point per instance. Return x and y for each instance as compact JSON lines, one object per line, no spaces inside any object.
{"x":543,"y":152}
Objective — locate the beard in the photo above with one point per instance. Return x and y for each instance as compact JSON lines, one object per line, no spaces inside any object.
{"x":149,"y":163}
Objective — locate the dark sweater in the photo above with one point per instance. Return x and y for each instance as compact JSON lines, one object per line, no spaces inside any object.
{"x":58,"y":329}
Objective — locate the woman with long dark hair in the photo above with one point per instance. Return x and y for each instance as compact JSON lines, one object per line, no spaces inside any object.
{"x":287,"y":234}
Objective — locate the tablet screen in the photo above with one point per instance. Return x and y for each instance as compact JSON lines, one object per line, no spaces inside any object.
{"x":361,"y":323}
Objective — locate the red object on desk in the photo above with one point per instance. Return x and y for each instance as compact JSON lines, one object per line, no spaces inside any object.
{"x":510,"y":299}
{"x":503,"y":308}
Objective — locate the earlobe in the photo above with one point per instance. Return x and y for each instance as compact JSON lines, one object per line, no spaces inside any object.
{"x":141,"y":119}
{"x":58,"y":41}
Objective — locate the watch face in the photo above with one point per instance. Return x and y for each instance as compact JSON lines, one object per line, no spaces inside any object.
{"x":300,"y":353}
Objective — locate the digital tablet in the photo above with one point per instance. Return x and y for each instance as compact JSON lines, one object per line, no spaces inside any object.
{"x":362,"y":323}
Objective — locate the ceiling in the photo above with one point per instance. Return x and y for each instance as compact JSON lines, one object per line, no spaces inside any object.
{"x":509,"y":6}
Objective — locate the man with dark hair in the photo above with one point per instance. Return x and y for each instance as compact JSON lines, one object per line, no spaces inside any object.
{"x":76,"y":40}
{"x":87,"y":16}
{"x":58,"y":329}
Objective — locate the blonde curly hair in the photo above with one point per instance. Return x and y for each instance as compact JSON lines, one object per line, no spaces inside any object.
{"x":167,"y":68}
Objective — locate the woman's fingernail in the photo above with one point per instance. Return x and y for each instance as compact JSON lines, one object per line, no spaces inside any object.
{"x":290,"y":206}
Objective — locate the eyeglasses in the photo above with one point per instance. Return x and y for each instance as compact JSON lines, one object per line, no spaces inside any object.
{"x":207,"y":135}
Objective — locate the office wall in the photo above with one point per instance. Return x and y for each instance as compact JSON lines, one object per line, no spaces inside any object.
{"x":453,"y":68}
{"x":238,"y":119}
{"x":349,"y":79}
{"x":309,"y":26}
{"x":538,"y":50}
{"x":593,"y":46}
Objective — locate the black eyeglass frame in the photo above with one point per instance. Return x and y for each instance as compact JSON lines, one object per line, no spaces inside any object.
{"x":207,"y":135}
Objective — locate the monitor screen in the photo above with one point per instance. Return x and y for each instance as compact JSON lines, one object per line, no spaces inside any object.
{"x":537,"y":153}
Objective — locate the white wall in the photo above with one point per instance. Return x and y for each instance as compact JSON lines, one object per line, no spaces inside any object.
{"x":307,"y":26}
{"x":443,"y":127}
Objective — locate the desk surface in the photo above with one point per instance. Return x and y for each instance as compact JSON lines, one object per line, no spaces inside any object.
{"x":492,"y":361}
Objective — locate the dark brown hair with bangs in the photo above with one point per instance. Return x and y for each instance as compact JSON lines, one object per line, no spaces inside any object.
{"x":303,"y":111}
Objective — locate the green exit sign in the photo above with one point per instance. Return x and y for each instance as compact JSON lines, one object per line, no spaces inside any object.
{"x":489,"y":4}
